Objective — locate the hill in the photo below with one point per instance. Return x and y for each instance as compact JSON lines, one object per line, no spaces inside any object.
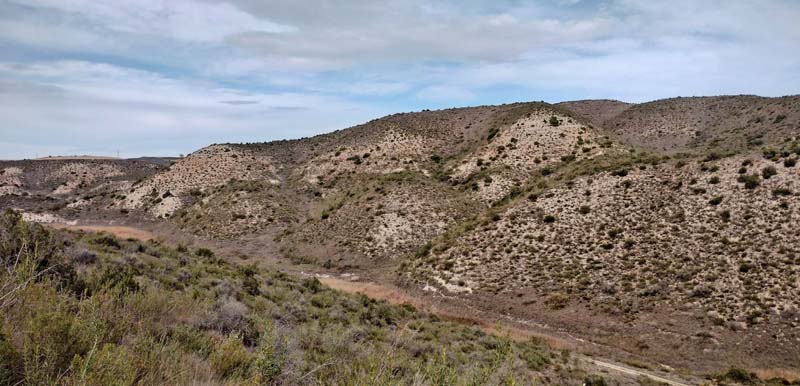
{"x":108,"y":311}
{"x":701,"y":124}
{"x":663,"y":231}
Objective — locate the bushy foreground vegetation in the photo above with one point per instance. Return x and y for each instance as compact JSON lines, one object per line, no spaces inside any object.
{"x":95,"y":310}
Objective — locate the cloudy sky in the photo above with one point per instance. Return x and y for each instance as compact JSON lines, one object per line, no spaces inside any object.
{"x":164,"y":77}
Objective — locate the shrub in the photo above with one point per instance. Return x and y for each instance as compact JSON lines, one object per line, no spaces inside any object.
{"x":620,"y":173}
{"x":549,"y":219}
{"x":715,"y":201}
{"x":230,"y":358}
{"x":122,"y":278}
{"x":269,"y":358}
{"x":204,"y":252}
{"x":557,"y":301}
{"x":713,"y":180}
{"x":554,"y":121}
{"x":107,"y":241}
{"x":739,"y":375}
{"x":250,"y":285}
{"x":51,"y":341}
{"x":584,"y":209}
{"x":790,"y":162}
{"x":312,"y":284}
{"x":768,"y":172}
{"x":108,"y":364}
{"x":781,"y":192}
{"x":10,"y":363}
{"x":85,"y":257}
{"x":750,"y":181}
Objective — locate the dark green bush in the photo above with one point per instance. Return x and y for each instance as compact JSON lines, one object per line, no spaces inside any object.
{"x":204,"y":252}
{"x":750,"y":181}
{"x":768,"y":172}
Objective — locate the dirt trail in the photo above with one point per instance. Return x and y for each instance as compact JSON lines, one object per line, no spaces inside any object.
{"x":119,"y":231}
{"x":397,"y":296}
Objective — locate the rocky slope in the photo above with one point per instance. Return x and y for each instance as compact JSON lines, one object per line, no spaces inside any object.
{"x":541,"y":212}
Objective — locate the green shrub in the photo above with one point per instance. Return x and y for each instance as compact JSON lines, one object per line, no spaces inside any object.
{"x":781,"y":192}
{"x":107,"y":241}
{"x":768,"y":172}
{"x":549,"y":219}
{"x":106,"y":365}
{"x":584,"y":209}
{"x":193,"y":340}
{"x":554,"y":121}
{"x":750,"y":181}
{"x":270,"y":357}
{"x":594,"y":380}
{"x":10,"y":362}
{"x":231,"y":358}
{"x":204,"y":252}
{"x":739,"y":375}
{"x":557,"y":300}
{"x":51,"y":340}
{"x":715,"y":201}
{"x":620,"y":173}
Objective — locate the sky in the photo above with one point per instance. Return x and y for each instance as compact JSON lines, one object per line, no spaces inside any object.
{"x":167,"y":77}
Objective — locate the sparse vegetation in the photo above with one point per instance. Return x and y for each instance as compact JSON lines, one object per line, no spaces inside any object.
{"x":751,"y":181}
{"x":768,"y":172}
{"x":274,"y":329}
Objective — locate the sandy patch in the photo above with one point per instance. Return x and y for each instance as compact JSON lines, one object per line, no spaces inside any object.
{"x":119,"y":231}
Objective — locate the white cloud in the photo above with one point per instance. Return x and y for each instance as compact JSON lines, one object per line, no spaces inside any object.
{"x":186,"y":20}
{"x":89,"y":105}
{"x":178,"y":74}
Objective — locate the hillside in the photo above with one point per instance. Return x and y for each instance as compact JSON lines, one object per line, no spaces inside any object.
{"x":596,"y":111}
{"x":700,"y":124}
{"x":69,"y":187}
{"x":664,"y":231}
{"x":108,"y":311}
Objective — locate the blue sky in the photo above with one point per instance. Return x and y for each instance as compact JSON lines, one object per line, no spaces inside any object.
{"x":165,"y":77}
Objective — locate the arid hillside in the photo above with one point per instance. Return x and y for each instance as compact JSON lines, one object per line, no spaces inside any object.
{"x":596,"y":111}
{"x":69,"y":187}
{"x":724,"y":124}
{"x":653,"y":229}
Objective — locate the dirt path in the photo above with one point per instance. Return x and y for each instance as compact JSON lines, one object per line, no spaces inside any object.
{"x":397,"y":296}
{"x":119,"y":231}
{"x":634,"y":372}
